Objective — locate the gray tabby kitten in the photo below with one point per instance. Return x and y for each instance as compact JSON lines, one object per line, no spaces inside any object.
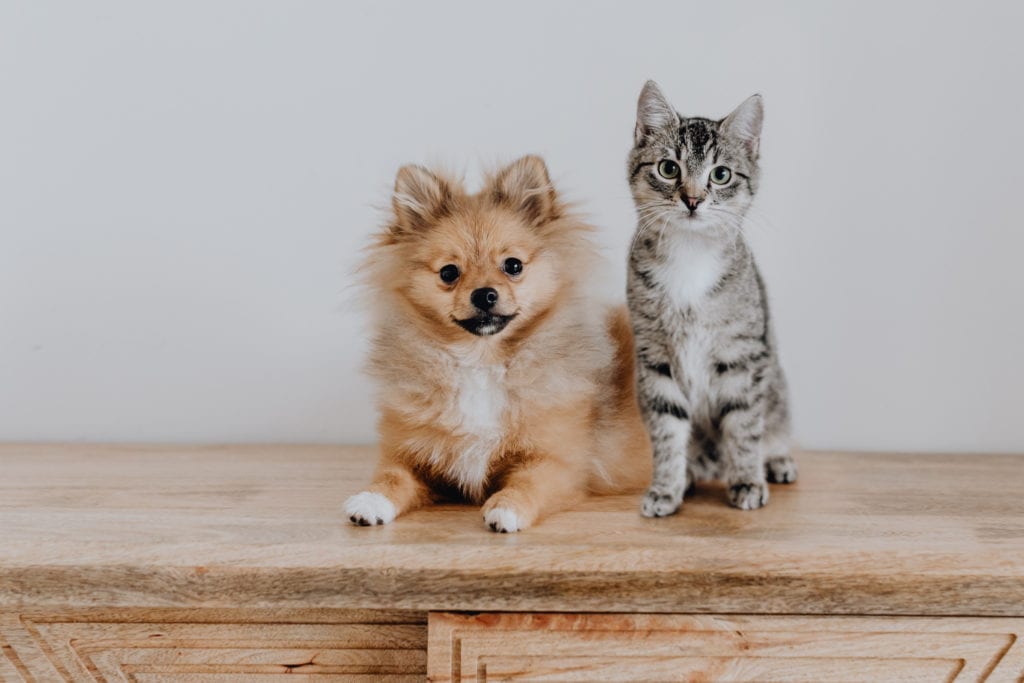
{"x":710,"y":386}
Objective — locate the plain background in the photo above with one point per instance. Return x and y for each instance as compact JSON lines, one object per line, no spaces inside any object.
{"x":184,"y":189}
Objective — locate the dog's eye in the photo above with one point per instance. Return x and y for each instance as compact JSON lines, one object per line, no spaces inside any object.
{"x":449,"y":273}
{"x":668,"y":169}
{"x":512,"y":266}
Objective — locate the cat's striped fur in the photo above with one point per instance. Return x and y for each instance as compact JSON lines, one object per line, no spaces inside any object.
{"x":711,"y":389}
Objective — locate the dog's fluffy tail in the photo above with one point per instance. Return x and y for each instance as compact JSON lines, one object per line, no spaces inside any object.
{"x":622,"y":458}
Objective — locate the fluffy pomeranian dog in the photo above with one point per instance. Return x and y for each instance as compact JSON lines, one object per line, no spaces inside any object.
{"x":500,"y":380}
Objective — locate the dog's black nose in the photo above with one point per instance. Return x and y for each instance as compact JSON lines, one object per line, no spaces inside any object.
{"x":484,"y":298}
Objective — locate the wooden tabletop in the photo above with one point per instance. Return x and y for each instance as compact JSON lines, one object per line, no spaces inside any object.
{"x":251,"y":526}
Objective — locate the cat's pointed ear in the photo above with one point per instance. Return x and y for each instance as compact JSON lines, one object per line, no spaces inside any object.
{"x":653,"y":112}
{"x":525,"y":187}
{"x":744,"y":124}
{"x":420,"y":198}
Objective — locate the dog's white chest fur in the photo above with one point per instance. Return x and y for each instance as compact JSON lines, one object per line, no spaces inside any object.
{"x":477,"y":414}
{"x":480,"y":398}
{"x":694,"y":266}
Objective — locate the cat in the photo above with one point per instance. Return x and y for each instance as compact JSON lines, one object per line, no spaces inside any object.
{"x":712,"y":391}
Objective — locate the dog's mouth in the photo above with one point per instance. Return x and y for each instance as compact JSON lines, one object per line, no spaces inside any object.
{"x":485,"y":324}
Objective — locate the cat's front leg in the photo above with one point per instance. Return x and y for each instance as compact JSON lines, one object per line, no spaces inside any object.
{"x":742,"y":429}
{"x":664,"y":410}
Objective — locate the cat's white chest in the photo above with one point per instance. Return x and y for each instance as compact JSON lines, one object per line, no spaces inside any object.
{"x":694,"y":360}
{"x":694,"y":266}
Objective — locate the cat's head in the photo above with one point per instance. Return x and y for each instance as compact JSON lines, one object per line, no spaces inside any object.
{"x":693,"y":173}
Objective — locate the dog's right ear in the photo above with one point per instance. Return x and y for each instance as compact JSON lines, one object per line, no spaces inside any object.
{"x":420,"y":198}
{"x":525,"y":187}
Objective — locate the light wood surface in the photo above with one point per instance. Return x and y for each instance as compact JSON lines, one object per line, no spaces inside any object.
{"x":261,"y":526}
{"x":734,"y":649}
{"x":201,"y":646}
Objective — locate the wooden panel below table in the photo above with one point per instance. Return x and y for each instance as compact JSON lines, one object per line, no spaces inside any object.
{"x":206,"y":646}
{"x":615,"y":647}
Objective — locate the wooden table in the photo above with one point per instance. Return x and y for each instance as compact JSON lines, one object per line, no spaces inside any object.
{"x":225,"y":564}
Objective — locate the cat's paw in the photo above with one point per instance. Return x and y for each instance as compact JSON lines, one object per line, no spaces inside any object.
{"x":780,"y":469}
{"x":369,"y":509}
{"x":659,"y":503}
{"x":748,"y":496}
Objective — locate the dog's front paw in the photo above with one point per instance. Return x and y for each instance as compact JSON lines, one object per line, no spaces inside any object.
{"x":503,"y":520}
{"x":748,"y":495}
{"x":780,"y":469}
{"x":502,"y":514}
{"x":368,"y":509}
{"x":659,"y":503}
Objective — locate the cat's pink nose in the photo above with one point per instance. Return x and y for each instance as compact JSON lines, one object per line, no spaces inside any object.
{"x":692,"y":202}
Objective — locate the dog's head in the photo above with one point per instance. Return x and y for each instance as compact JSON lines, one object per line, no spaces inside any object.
{"x":481,"y":264}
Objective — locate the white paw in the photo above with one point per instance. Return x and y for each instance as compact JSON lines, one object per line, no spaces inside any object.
{"x":748,"y":496}
{"x":657,"y":503}
{"x":502,"y":520}
{"x":368,"y":509}
{"x":780,"y":469}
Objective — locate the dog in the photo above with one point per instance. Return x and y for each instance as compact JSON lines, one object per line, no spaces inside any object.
{"x":500,"y":379}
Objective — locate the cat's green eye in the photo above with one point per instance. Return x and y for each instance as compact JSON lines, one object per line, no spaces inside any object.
{"x":720,"y":175}
{"x":668,"y":169}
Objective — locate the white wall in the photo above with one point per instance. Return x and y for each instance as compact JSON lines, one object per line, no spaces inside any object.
{"x":184,"y":187}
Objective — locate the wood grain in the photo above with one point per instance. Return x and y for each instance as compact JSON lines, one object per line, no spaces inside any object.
{"x":261,"y":526}
{"x":228,"y":646}
{"x":614,"y":647}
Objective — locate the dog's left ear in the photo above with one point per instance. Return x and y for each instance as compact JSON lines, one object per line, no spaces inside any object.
{"x":525,"y":187}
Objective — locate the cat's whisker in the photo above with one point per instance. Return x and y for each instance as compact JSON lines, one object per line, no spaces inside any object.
{"x":652,"y":215}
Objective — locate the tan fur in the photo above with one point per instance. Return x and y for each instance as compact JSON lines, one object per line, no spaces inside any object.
{"x":527,"y":420}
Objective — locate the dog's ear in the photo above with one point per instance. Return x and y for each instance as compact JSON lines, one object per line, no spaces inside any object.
{"x":420,"y":198}
{"x":525,"y":187}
